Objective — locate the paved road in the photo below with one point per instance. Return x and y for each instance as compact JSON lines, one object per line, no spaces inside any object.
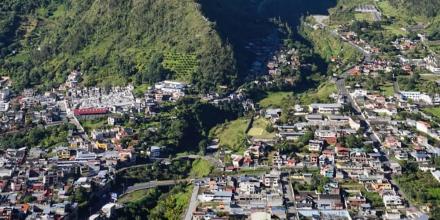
{"x":193,"y":203}
{"x":367,"y":55}
{"x":374,"y":137}
{"x":211,"y":159}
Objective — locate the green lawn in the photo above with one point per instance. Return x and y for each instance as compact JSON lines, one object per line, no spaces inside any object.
{"x":420,"y":188}
{"x":374,"y":198}
{"x":134,"y":197}
{"x":89,"y":125}
{"x":435,"y":111}
{"x":258,"y":129}
{"x":274,"y":99}
{"x":201,"y":168}
{"x":387,"y":90}
{"x":430,"y":77}
{"x":319,"y":95}
{"x":402,"y":17}
{"x":232,"y":134}
{"x":140,"y":89}
{"x":364,"y":17}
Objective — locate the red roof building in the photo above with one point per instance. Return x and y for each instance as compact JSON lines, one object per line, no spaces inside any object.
{"x":90,"y":111}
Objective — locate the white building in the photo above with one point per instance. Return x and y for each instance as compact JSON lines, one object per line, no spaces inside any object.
{"x":433,"y":64}
{"x":170,"y":87}
{"x":392,"y":201}
{"x":325,"y":108}
{"x":315,"y":145}
{"x":416,"y":96}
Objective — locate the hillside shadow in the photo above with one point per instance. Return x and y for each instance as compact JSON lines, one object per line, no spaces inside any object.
{"x":246,"y":25}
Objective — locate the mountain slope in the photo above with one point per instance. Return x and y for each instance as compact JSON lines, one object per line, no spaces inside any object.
{"x":112,"y":42}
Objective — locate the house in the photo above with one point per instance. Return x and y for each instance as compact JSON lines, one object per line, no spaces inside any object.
{"x":416,"y":96}
{"x":392,"y":142}
{"x":392,"y":201}
{"x":272,"y":179}
{"x":342,"y":152}
{"x":420,"y":156}
{"x":381,"y":185}
{"x":433,"y":64}
{"x":401,"y":155}
{"x":436,"y":175}
{"x":329,"y":136}
{"x":273,"y":114}
{"x":328,"y":171}
{"x":237,"y":161}
{"x":423,"y":126}
{"x":327,"y":201}
{"x":112,"y":121}
{"x":316,"y":145}
{"x":355,"y":201}
{"x":396,"y":168}
{"x":332,"y":108}
{"x":155,"y":152}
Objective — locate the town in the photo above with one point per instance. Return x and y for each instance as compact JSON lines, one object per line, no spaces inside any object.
{"x":351,"y":148}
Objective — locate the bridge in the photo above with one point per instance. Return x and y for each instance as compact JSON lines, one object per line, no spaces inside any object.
{"x":153,"y":184}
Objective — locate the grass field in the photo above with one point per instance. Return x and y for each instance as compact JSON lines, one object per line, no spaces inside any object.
{"x":430,"y":77}
{"x":140,"y":90}
{"x":402,"y":17}
{"x":387,"y":90}
{"x":319,"y":95}
{"x":89,"y":125}
{"x":258,"y":129}
{"x":364,"y":17}
{"x":201,"y":168}
{"x":232,"y":134}
{"x":274,"y":99}
{"x":134,"y":196}
{"x":433,"y":111}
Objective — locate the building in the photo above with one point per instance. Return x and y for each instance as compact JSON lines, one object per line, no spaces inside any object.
{"x":155,"y":152}
{"x":436,"y":175}
{"x":433,"y":64}
{"x":416,"y":96}
{"x":90,"y":113}
{"x":423,"y":126}
{"x":332,"y":108}
{"x":316,"y":145}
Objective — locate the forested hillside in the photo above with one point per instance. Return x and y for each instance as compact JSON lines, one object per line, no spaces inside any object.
{"x":428,"y":8}
{"x":111,"y":42}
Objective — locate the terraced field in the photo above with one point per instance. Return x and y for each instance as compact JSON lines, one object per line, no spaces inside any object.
{"x":182,"y":64}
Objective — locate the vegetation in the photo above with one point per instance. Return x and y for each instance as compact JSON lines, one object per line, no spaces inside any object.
{"x":329,"y":46}
{"x":183,"y":65}
{"x":90,"y":125}
{"x":420,"y":187}
{"x":201,"y":168}
{"x":374,"y":198}
{"x":185,"y":126}
{"x":387,"y":90}
{"x":178,"y":169}
{"x":273,"y":99}
{"x":136,"y":196}
{"x":232,"y":135}
{"x":317,"y":183}
{"x":173,"y":204}
{"x":155,"y":203}
{"x":261,"y":128}
{"x":39,"y":136}
{"x":435,"y":111}
{"x":321,"y":94}
{"x":108,"y":40}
